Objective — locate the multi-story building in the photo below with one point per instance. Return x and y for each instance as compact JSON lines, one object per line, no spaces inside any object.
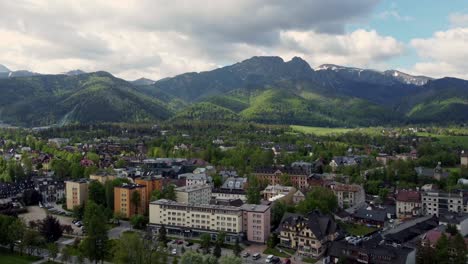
{"x":76,"y":192}
{"x":195,"y":219}
{"x":151,"y":183}
{"x":278,"y":192}
{"x":124,"y":203}
{"x":50,"y":189}
{"x":273,"y":176}
{"x":408,"y":204}
{"x":102,"y":177}
{"x":232,"y":188}
{"x":194,"y":194}
{"x":310,"y":235}
{"x":439,"y":202}
{"x":256,"y":220}
{"x":348,"y":195}
{"x":196,"y":179}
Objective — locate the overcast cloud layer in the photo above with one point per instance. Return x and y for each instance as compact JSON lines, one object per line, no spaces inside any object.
{"x":160,"y":38}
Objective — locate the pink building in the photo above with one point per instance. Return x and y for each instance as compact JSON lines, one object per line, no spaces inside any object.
{"x":256,"y":220}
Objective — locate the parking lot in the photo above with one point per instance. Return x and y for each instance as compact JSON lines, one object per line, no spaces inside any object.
{"x":36,"y":213}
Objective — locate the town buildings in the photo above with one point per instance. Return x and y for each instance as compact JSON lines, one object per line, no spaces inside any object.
{"x":310,"y":235}
{"x":256,"y":221}
{"x":124,"y":202}
{"x":195,"y":219}
{"x":102,"y":177}
{"x":76,"y":192}
{"x":194,"y":194}
{"x":233,"y":188}
{"x":279,"y":192}
{"x":348,"y":195}
{"x":151,"y":183}
{"x":273,"y":176}
{"x":439,"y":202}
{"x":408,"y":204}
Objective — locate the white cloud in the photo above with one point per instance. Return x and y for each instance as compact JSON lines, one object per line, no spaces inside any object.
{"x":359,"y":48}
{"x":443,"y":54}
{"x":394,"y":14}
{"x":158,"y":38}
{"x":459,"y":20}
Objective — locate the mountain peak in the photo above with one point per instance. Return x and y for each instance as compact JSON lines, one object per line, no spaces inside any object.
{"x":407,"y":78}
{"x":263,"y":59}
{"x":4,"y":68}
{"x":334,"y":67}
{"x":143,"y":81}
{"x":74,"y":72}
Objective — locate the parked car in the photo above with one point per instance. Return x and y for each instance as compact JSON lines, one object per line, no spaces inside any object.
{"x":256,"y":256}
{"x":180,"y":242}
{"x":287,"y":261}
{"x":174,"y":252}
{"x":246,"y":254}
{"x":189,"y":244}
{"x":269,"y":259}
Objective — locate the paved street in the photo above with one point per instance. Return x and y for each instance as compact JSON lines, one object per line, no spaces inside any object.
{"x":116,"y":232}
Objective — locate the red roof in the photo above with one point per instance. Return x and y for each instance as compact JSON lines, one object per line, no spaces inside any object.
{"x":409,"y":196}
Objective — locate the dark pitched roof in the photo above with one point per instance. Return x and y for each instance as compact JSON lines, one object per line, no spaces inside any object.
{"x":320,"y":224}
{"x":408,"y":196}
{"x":372,"y":214}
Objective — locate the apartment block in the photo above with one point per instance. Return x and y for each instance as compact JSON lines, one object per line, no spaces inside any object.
{"x":194,"y":194}
{"x":438,"y":202}
{"x":123,"y":203}
{"x":279,"y":192}
{"x":192,"y":220}
{"x":151,"y":183}
{"x":298,"y":177}
{"x":76,"y":192}
{"x":256,"y":220}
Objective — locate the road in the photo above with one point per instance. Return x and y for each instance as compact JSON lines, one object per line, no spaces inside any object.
{"x":117,"y":231}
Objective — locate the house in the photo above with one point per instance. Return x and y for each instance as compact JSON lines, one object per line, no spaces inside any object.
{"x":371,"y":216}
{"x":437,"y":173}
{"x":298,"y":197}
{"x":408,"y":204}
{"x":232,"y":188}
{"x":278,"y":192}
{"x":195,"y":179}
{"x":50,"y":189}
{"x":384,"y":158}
{"x":369,"y":250}
{"x":348,"y":195}
{"x":310,"y":235}
{"x":464,"y":159}
{"x":102,"y":177}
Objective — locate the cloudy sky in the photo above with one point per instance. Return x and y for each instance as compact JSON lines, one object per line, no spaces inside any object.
{"x":161,"y":38}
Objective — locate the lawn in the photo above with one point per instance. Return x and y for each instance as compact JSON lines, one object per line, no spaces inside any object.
{"x":275,"y":252}
{"x":309,"y":260}
{"x":448,"y":140}
{"x":12,"y":258}
{"x":327,"y":131}
{"x":358,"y":230}
{"x":320,"y":131}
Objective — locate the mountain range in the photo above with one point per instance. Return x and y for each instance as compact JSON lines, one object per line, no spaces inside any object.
{"x":259,"y":89}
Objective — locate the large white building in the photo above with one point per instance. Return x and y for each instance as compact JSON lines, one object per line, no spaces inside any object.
{"x":194,"y":194}
{"x":195,"y":219}
{"x":439,"y":202}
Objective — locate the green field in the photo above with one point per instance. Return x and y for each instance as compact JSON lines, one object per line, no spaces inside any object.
{"x":357,"y":230}
{"x":326,"y":131}
{"x":448,"y":140}
{"x":12,"y":258}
